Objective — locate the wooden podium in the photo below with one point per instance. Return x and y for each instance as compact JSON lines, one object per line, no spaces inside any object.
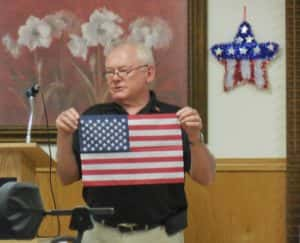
{"x":20,"y":160}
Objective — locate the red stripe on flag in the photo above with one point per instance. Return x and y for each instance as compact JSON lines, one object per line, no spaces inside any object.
{"x":132,"y":160}
{"x":154,"y":127}
{"x":131,"y":171}
{"x":155,"y":148}
{"x":154,"y":138}
{"x":152,"y":116}
{"x":132,"y":182}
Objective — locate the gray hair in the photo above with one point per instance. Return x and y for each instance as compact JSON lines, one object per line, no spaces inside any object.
{"x":144,"y":53}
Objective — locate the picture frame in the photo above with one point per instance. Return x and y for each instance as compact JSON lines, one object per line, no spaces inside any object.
{"x":196,"y":76}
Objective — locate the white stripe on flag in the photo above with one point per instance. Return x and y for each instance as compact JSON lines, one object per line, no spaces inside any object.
{"x":147,"y":154}
{"x":120,"y":166}
{"x":153,"y":121}
{"x":148,"y":176}
{"x":155,"y":143}
{"x":154,"y":132}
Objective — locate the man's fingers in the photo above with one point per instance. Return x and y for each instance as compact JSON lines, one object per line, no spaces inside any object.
{"x":194,"y":118}
{"x":74,"y":113}
{"x":190,"y":119}
{"x":70,"y":118}
{"x":192,"y":124}
{"x":67,"y":121}
{"x":65,"y":128}
{"x":189,"y":116}
{"x":186,"y":112}
{"x":182,"y":110}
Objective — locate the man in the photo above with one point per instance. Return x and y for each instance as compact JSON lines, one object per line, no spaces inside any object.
{"x":143,"y":213}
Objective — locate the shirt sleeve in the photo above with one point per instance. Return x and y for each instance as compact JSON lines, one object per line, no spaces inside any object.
{"x":76,"y":151}
{"x":186,"y":152}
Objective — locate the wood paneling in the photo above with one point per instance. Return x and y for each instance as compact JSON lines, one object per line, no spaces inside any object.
{"x":31,"y":151}
{"x":245,"y":204}
{"x":263,"y":164}
{"x":197,"y":58}
{"x":240,"y":207}
{"x":19,"y":160}
{"x":66,"y":197}
{"x":13,"y":164}
{"x":293,"y":119}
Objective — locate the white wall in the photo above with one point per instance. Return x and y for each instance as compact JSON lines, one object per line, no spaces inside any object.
{"x":247,"y":122}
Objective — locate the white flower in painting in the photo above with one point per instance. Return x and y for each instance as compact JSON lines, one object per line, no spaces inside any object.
{"x":11,"y":45}
{"x":62,"y":21}
{"x":154,"y":32}
{"x":102,"y":28}
{"x":78,"y":46}
{"x":35,"y":33}
{"x":57,"y":25}
{"x":104,"y":15}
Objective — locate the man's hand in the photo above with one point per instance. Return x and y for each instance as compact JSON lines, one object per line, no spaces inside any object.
{"x":67,"y":121}
{"x":66,"y":124}
{"x":191,"y":123}
{"x":203,"y":165}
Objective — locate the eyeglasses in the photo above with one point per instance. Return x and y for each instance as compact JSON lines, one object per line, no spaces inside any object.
{"x":121,"y":72}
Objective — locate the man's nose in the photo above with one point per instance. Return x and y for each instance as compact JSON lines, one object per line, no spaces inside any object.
{"x":116,"y":76}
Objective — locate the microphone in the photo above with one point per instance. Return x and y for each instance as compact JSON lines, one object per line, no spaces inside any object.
{"x":32,"y":91}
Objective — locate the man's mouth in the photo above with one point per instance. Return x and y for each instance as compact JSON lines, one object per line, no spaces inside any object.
{"x":117,"y":89}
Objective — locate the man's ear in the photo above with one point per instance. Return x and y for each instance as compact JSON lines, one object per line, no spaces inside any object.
{"x":151,"y":72}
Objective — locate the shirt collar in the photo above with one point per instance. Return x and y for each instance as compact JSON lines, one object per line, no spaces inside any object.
{"x":150,"y":107}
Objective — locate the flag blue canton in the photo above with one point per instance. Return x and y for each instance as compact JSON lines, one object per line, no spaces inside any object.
{"x":104,"y":134}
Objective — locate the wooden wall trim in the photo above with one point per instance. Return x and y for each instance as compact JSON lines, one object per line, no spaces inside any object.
{"x":253,"y":164}
{"x":235,"y":165}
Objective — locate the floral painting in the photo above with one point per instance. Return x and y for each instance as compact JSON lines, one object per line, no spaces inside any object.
{"x":61,"y":45}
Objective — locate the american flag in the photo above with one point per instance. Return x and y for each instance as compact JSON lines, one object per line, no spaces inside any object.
{"x":131,"y":150}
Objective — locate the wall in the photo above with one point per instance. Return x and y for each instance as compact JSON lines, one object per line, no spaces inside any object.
{"x":247,"y":122}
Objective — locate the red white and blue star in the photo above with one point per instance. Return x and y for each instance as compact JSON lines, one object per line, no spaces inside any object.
{"x":245,"y":59}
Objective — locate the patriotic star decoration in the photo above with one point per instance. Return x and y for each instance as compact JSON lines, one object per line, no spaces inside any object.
{"x":245,"y":60}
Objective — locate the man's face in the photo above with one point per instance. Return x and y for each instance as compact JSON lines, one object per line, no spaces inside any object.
{"x":126,"y":76}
